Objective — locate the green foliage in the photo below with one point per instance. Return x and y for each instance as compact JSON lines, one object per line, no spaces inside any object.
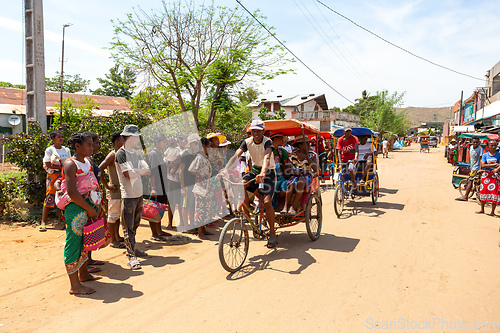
{"x":265,"y":114}
{"x":10,"y":85}
{"x":379,"y":112}
{"x":194,"y":51}
{"x":71,"y":83}
{"x":119,"y":83}
{"x":26,"y":151}
{"x":248,"y":95}
{"x":156,"y":102}
{"x":78,"y":117}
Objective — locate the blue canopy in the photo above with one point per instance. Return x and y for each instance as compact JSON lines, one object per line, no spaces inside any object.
{"x":357,"y":131}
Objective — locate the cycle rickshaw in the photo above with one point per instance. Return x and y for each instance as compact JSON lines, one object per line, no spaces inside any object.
{"x":343,"y":187}
{"x":326,"y":170}
{"x":424,"y":144}
{"x":234,"y":238}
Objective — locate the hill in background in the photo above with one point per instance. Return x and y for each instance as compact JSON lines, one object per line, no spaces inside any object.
{"x":421,"y":115}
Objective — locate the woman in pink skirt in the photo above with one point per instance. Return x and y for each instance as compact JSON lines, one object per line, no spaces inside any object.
{"x":490,"y":179}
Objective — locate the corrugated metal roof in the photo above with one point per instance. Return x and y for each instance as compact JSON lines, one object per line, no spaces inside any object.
{"x":17,"y":97}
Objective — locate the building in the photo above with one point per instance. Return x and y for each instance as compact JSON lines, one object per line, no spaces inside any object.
{"x":309,"y":108}
{"x":13,"y":103}
{"x":482,"y":108}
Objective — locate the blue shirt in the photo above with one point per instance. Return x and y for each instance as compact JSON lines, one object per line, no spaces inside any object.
{"x":475,"y":158}
{"x":488,"y":159}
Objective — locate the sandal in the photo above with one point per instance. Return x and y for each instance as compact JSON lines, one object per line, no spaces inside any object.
{"x":134,"y":264}
{"x":158,"y":238}
{"x":292,"y":212}
{"x":92,"y":269}
{"x":272,"y":242}
{"x":42,"y":228}
{"x":165,"y":234}
{"x":96,"y":262}
{"x":118,"y":245}
{"x":284,"y":212}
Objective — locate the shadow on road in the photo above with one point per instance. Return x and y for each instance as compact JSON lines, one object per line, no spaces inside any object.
{"x":293,"y":246}
{"x":111,"y":292}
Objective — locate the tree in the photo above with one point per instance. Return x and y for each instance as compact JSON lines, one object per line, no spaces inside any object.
{"x":248,"y":95}
{"x":157,"y":102}
{"x":265,"y":114}
{"x":71,"y":83}
{"x":119,"y":83}
{"x":379,"y":112}
{"x":10,"y":85}
{"x":196,"y":51}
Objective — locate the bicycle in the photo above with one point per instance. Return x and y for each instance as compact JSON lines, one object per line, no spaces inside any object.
{"x":462,"y":187}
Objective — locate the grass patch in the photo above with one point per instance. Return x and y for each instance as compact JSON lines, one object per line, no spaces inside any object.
{"x":13,"y":174}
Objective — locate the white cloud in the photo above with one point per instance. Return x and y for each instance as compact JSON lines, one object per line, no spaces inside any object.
{"x":10,"y":24}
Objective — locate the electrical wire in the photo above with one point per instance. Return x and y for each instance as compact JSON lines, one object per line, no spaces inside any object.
{"x":328,"y":41}
{"x":282,"y":44}
{"x":399,"y":47}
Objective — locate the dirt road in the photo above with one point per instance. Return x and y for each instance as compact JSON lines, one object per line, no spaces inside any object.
{"x":417,"y":261}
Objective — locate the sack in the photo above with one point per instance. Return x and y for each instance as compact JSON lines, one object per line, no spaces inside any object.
{"x":153,"y":211}
{"x":93,"y":234}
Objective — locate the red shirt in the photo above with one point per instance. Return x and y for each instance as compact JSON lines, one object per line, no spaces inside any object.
{"x":346,"y":145}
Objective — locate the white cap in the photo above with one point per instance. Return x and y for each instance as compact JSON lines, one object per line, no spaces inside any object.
{"x":257,"y":124}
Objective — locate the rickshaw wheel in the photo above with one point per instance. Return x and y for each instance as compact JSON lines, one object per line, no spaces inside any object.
{"x":233,"y":245}
{"x":375,"y":189}
{"x":314,"y":216}
{"x":462,"y":187}
{"x":338,"y":200}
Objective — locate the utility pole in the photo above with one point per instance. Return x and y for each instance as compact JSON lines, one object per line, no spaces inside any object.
{"x":62,"y":73}
{"x":460,"y":112}
{"x":35,"y":64}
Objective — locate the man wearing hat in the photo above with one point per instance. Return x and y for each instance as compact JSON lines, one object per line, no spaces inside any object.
{"x":348,"y":151}
{"x":261,"y":152}
{"x":130,"y":166}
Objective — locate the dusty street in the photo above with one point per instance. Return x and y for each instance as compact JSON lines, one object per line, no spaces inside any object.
{"x":416,"y":258}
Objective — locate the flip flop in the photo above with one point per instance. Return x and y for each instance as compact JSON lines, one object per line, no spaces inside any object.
{"x":96,"y":262}
{"x":166,"y":234}
{"x":292,"y":212}
{"x":42,"y":228}
{"x":93,"y":269}
{"x":461,"y":199}
{"x":272,"y":242}
{"x":140,"y":253}
{"x":118,"y":245}
{"x":158,"y":238}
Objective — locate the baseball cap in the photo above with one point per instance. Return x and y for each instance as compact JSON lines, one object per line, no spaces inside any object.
{"x":257,"y":124}
{"x":347,"y":128}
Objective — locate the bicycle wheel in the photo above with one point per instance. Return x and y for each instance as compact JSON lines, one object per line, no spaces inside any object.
{"x":375,"y":189}
{"x":314,"y":217}
{"x":233,"y":245}
{"x":462,"y":187}
{"x":338,"y":200}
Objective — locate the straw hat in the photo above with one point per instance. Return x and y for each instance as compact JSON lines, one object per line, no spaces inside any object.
{"x":221,"y":137}
{"x":301,"y":138}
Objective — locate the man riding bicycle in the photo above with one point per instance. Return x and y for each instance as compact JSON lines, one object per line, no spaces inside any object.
{"x":348,"y":152}
{"x":260,"y":149}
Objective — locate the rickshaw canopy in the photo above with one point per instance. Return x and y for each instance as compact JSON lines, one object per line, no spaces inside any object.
{"x":325,"y":135}
{"x":481,"y":136}
{"x":357,"y":131}
{"x":288,"y":127}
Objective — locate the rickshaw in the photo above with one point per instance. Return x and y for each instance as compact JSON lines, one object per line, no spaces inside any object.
{"x":234,"y":239}
{"x":424,"y":143}
{"x":343,"y":188}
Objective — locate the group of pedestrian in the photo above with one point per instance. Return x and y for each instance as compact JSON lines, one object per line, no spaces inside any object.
{"x":180,"y":171}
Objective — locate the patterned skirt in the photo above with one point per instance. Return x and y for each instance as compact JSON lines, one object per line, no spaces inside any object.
{"x":50,"y":193}
{"x":76,"y":218}
{"x":490,"y":187}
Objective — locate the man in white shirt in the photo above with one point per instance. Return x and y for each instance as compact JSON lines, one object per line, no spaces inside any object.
{"x":130,"y":166}
{"x":366,"y":151}
{"x":385,"y":148}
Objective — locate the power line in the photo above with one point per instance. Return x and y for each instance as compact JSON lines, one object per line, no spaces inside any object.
{"x":281,"y":43}
{"x":399,"y":47}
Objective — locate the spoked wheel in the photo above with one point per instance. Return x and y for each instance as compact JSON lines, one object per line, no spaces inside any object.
{"x":375,"y":189}
{"x":314,"y":216}
{"x":233,"y":245}
{"x":338,"y":200}
{"x":462,"y":187}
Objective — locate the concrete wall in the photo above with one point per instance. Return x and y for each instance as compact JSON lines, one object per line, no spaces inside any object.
{"x":4,"y":122}
{"x":489,"y":110}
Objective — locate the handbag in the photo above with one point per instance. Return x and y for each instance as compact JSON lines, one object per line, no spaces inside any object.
{"x":93,"y":234}
{"x":153,"y":211}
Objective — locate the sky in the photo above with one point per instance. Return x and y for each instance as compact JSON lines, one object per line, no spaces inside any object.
{"x":461,"y":35}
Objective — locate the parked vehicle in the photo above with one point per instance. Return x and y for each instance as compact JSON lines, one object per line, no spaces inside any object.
{"x":433,"y":141}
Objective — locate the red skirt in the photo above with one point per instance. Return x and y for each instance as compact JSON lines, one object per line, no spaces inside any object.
{"x":490,"y":184}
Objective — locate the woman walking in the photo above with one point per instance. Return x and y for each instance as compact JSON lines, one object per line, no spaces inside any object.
{"x":82,"y":188}
{"x":490,"y":181}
